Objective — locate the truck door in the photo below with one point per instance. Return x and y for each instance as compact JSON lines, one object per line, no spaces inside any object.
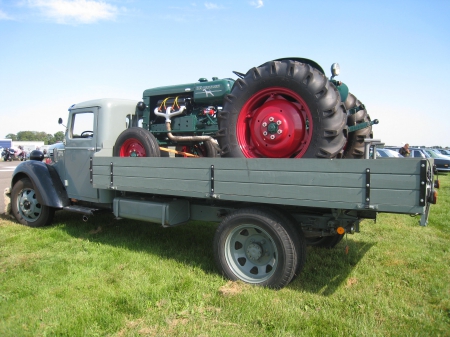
{"x":81,"y":144}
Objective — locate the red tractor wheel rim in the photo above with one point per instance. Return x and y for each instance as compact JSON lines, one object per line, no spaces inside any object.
{"x":132,"y":148}
{"x":274,"y":123}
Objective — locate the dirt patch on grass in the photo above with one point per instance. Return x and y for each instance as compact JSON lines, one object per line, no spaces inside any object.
{"x":232,"y":288}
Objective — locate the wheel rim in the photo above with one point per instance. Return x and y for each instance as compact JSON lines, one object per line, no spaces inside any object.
{"x":251,"y":254}
{"x":132,"y":148}
{"x":28,"y":206}
{"x":274,"y":123}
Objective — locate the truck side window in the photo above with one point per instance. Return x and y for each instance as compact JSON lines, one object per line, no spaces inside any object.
{"x":82,"y":125}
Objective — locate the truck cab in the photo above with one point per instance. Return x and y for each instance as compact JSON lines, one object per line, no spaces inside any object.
{"x":92,"y":128}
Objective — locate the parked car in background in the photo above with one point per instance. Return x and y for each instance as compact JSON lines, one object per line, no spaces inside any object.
{"x":442,"y":162}
{"x":444,"y":152}
{"x":388,"y":153}
{"x":51,"y":150}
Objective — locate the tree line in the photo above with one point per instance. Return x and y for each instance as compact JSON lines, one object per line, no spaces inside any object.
{"x":36,"y":136}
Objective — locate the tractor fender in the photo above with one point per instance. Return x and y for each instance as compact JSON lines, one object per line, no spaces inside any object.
{"x":303,"y":60}
{"x":49,"y":189}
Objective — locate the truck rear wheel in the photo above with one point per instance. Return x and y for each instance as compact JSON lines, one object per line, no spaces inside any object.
{"x":136,"y":142}
{"x":282,"y":109}
{"x":25,"y":206}
{"x":355,"y":140}
{"x":255,"y":247}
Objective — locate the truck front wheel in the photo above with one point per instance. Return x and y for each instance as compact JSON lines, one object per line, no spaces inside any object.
{"x":26,"y":208}
{"x":254,"y":246}
{"x":282,"y":109}
{"x":136,"y":142}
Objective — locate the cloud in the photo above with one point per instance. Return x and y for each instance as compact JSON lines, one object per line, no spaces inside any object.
{"x":210,"y":5}
{"x":4,"y":16}
{"x":75,"y":11}
{"x":257,"y":3}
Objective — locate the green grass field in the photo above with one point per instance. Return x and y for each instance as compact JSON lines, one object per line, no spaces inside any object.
{"x":112,"y":277}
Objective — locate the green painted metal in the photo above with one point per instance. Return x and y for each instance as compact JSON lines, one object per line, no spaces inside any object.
{"x":196,"y":120}
{"x":337,"y":184}
{"x":356,"y":109}
{"x":363,"y":125}
{"x":342,"y":88}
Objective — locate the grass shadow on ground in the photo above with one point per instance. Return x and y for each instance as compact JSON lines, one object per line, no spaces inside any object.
{"x":327,"y":269}
{"x":191,"y":244}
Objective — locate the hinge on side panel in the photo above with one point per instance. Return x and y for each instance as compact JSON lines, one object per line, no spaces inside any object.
{"x":111,"y":174}
{"x":91,"y":173}
{"x":211,"y":192}
{"x":367,"y":200}
{"x":423,"y":182}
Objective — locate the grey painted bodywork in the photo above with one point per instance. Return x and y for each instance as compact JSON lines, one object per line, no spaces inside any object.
{"x":46,"y":182}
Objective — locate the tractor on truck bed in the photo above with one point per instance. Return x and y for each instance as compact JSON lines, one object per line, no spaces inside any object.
{"x":268,"y":205}
{"x":285,"y":108}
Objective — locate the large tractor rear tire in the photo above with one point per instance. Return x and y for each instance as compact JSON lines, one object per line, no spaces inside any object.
{"x":283,"y":109}
{"x":354,"y":149}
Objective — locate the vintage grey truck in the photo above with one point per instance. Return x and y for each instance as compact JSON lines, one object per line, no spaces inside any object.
{"x":281,"y":166}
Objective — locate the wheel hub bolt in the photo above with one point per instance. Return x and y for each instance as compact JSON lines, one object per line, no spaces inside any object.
{"x":272,"y":136}
{"x":265,"y":133}
{"x":271,"y":119}
{"x":280,"y":132}
{"x":278,"y":122}
{"x":264,"y":124}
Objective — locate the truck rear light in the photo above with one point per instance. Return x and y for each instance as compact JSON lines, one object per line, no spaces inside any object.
{"x":340,"y":230}
{"x":437,"y":184}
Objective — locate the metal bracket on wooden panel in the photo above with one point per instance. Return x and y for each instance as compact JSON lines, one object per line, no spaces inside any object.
{"x":111,"y":183}
{"x":423,"y":182}
{"x":367,"y":200}
{"x":211,"y":191}
{"x":91,"y":173}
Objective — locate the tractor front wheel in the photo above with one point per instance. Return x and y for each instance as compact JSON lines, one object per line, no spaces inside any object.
{"x":136,"y":142}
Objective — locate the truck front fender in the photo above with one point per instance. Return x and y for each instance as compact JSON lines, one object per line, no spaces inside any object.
{"x":46,"y":182}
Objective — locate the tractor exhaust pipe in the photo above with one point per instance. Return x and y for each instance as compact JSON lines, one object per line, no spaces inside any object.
{"x":190,"y":138}
{"x":171,"y":113}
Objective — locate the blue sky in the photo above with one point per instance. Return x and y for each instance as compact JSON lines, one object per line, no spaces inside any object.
{"x":394,"y":55}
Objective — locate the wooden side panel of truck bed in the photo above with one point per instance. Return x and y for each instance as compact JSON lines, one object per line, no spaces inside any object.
{"x":395,"y":185}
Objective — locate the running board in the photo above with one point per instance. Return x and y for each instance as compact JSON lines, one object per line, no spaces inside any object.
{"x":82,"y":209}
